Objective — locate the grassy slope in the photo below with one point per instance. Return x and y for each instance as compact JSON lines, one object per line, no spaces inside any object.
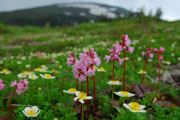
{"x":101,"y":36}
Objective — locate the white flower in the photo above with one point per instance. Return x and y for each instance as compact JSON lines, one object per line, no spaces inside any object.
{"x":135,"y":107}
{"x":124,"y":94}
{"x":21,"y":75}
{"x":114,"y":82}
{"x":31,"y":111}
{"x":101,"y":69}
{"x":19,"y":62}
{"x":166,"y":62}
{"x":5,"y":71}
{"x":139,"y":58}
{"x":142,"y":72}
{"x":33,"y":77}
{"x":28,"y":66}
{"x":47,"y":76}
{"x":70,"y":91}
{"x":82,"y":96}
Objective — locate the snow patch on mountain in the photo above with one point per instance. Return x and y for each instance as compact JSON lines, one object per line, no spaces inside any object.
{"x":93,"y":9}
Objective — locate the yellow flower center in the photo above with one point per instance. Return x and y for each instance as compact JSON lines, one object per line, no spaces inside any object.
{"x":124,"y":93}
{"x":135,"y":106}
{"x":38,"y":69}
{"x":25,"y":72}
{"x":72,"y":90}
{"x":33,"y":77}
{"x":142,"y":71}
{"x":31,"y":112}
{"x":82,"y":95}
{"x":101,"y":69}
{"x":48,"y":76}
{"x":114,"y":81}
{"x":5,"y":70}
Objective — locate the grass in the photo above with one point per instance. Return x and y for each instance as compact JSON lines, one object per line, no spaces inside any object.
{"x":23,"y":43}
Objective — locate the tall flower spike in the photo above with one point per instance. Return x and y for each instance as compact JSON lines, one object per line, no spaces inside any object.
{"x":147,"y":54}
{"x":159,"y":52}
{"x":126,"y":48}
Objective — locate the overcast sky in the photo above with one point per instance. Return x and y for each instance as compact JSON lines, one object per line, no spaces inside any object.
{"x":170,"y":8}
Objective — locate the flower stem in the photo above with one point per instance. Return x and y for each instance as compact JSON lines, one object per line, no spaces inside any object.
{"x":72,"y":103}
{"x":87,"y":95}
{"x":82,"y":112}
{"x":10,"y":98}
{"x":48,"y":93}
{"x":124,"y":52}
{"x":113,"y":92}
{"x":81,"y":86}
{"x":113,"y":69}
{"x":94,"y":107}
{"x":145,"y":68}
{"x":159,"y":71}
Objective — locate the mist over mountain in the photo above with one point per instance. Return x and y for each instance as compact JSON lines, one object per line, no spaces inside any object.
{"x":63,"y":14}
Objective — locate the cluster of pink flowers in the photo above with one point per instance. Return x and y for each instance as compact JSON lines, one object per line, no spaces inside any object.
{"x":117,"y":48}
{"x":160,"y":51}
{"x":84,"y":67}
{"x":21,"y":87}
{"x":2,"y":85}
{"x":114,"y":54}
{"x":71,"y":59}
{"x":148,"y":53}
{"x":125,"y":44}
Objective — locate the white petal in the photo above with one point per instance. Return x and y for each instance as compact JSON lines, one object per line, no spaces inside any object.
{"x":65,"y":91}
{"x":52,"y":77}
{"x":42,"y":75}
{"x":77,"y":93}
{"x":26,"y":109}
{"x":35,"y":108}
{"x":89,"y":97}
{"x":126,"y":105}
{"x":133,"y":111}
{"x":142,"y":107}
{"x":76,"y":98}
{"x":81,"y":101}
{"x":117,"y":93}
{"x":24,"y":113}
{"x":143,"y":111}
{"x":37,"y":113}
{"x":131,"y":95}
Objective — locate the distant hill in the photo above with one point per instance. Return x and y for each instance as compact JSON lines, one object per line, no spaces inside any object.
{"x":63,"y":14}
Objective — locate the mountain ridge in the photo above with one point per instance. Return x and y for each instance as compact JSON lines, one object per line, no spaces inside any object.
{"x":63,"y":14}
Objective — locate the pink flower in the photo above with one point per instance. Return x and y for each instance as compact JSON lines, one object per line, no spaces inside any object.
{"x":52,"y":60}
{"x":161,"y":50}
{"x":14,"y":83}
{"x":71,"y":59}
{"x":2,"y":85}
{"x":155,"y":50}
{"x":148,"y":52}
{"x":26,"y":82}
{"x":126,"y":40}
{"x":130,"y":49}
{"x":84,"y":67}
{"x":21,"y":87}
{"x":160,"y":57}
{"x":151,"y":55}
